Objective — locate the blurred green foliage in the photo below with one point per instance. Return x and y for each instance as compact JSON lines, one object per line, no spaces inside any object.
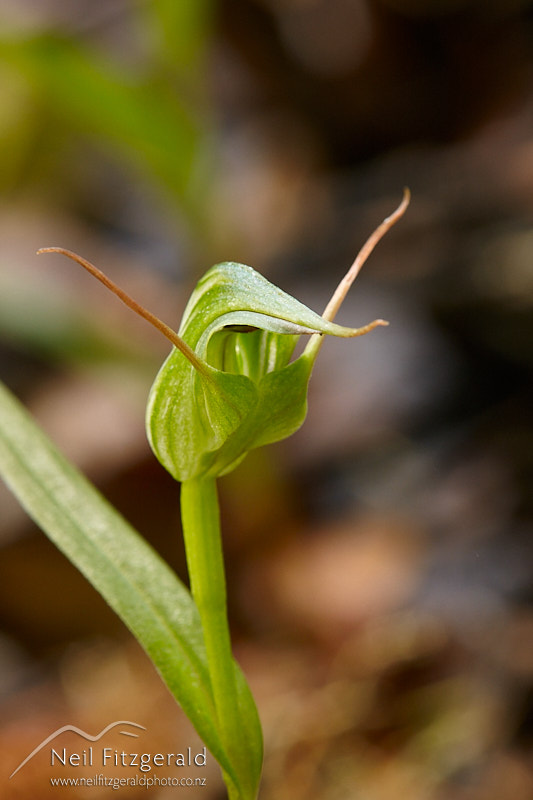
{"x":149,"y":115}
{"x":152,"y":115}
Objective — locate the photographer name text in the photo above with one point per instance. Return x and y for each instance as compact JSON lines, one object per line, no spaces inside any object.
{"x":119,"y":758}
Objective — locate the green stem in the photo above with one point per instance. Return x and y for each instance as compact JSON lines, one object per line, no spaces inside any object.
{"x":205,"y":562}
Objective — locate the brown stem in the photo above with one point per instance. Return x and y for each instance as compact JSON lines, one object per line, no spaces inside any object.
{"x":315,"y":343}
{"x":170,"y":334}
{"x":342,"y":289}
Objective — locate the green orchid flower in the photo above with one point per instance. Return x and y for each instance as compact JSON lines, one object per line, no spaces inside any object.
{"x":228,"y":386}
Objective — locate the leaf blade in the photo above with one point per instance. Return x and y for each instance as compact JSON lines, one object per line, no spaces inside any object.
{"x":130,"y":575}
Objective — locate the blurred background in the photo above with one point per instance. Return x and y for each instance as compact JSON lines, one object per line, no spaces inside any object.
{"x":379,"y":562}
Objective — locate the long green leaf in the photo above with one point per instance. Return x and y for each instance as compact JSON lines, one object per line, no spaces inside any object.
{"x":129,"y":574}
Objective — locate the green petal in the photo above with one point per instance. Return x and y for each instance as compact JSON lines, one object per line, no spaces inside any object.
{"x":244,"y":329}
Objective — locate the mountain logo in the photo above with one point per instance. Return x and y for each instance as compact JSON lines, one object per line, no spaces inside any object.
{"x":83,"y":734}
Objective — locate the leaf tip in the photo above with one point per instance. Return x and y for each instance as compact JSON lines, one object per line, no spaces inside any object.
{"x":377,"y":323}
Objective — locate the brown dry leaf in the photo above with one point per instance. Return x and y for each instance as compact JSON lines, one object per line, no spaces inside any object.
{"x":338,"y":578}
